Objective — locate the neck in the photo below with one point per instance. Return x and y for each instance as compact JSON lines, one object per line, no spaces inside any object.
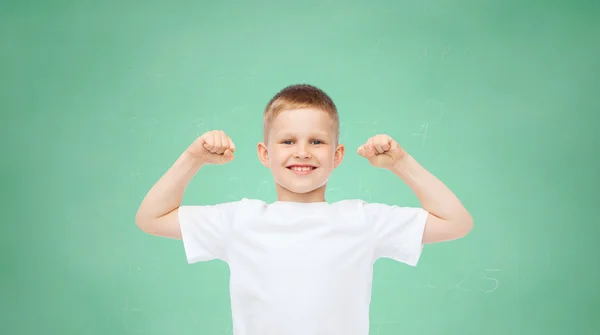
{"x":285,"y":195}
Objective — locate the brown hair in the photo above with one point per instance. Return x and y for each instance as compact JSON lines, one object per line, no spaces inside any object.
{"x":299,"y":96}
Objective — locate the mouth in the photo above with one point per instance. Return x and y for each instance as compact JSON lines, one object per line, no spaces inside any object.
{"x":301,"y":169}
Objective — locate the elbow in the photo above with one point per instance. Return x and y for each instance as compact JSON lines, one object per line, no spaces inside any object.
{"x":461,"y":225}
{"x":466,"y":225}
{"x":142,"y":223}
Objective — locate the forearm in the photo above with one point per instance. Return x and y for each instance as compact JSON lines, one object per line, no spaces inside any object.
{"x":166,"y":195}
{"x":435,"y":197}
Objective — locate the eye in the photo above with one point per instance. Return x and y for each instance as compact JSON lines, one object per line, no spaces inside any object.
{"x":287,"y":142}
{"x":317,"y":142}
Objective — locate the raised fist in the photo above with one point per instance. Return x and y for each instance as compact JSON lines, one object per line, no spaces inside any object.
{"x":213,"y":147}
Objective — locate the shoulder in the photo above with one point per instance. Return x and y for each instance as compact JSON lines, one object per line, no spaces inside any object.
{"x":379,"y":210}
{"x":227,"y":209}
{"x":241,"y":203}
{"x":244,"y":205}
{"x":360,"y":205}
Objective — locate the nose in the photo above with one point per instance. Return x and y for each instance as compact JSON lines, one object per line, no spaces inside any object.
{"x":301,"y":153}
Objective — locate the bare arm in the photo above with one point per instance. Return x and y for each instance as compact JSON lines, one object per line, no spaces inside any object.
{"x":448,"y":219}
{"x":157,"y":214}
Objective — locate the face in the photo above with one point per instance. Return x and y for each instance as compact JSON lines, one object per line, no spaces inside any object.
{"x":301,"y":152}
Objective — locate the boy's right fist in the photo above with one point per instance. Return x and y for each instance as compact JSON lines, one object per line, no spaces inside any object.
{"x":213,"y":147}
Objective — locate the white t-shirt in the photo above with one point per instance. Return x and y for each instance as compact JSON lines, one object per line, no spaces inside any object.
{"x":301,"y":268}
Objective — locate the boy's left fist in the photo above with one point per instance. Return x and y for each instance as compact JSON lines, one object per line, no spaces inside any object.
{"x":381,"y":151}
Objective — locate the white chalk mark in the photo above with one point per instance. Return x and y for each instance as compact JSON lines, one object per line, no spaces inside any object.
{"x":377,"y":44}
{"x":464,"y":56}
{"x":445,"y":52}
{"x":252,"y":76}
{"x":135,"y":173}
{"x":344,"y":131}
{"x":423,"y":132}
{"x":236,"y":190}
{"x":458,"y":286}
{"x":373,"y":125}
{"x":151,"y":123}
{"x":126,"y":309}
{"x":374,"y":51}
{"x":134,"y":120}
{"x":430,"y":281}
{"x":263,"y":189}
{"x":334,"y":193}
{"x":365,"y":191}
{"x":429,"y":284}
{"x":200,"y":125}
{"x":486,"y":277}
{"x":134,"y":268}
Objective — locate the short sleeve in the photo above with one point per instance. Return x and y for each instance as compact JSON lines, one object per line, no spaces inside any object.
{"x":205,"y":229}
{"x":397,"y":231}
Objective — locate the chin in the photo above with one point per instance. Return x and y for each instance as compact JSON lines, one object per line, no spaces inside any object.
{"x":301,"y":184}
{"x":299,"y":189}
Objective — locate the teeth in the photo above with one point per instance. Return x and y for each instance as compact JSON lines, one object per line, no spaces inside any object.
{"x":301,"y":168}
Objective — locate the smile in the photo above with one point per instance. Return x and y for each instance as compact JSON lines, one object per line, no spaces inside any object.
{"x":301,"y":169}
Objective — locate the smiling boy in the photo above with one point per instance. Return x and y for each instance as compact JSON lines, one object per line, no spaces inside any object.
{"x":302,"y":265}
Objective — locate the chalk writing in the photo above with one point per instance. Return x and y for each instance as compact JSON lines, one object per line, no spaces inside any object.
{"x":365,"y":192}
{"x":489,"y":279}
{"x":235,"y":187}
{"x":465,"y":275}
{"x":135,"y":173}
{"x":334,"y":193}
{"x":423,"y":132}
{"x":127,"y":309}
{"x":468,"y":281}
{"x":252,"y":76}
{"x":145,"y":270}
{"x":447,"y":55}
{"x":372,"y":126}
{"x":344,"y":132}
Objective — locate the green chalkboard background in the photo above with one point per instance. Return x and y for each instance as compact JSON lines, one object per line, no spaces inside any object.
{"x":499,"y":99}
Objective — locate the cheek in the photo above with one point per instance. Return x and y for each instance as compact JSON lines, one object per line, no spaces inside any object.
{"x":326,"y":157}
{"x":276,"y":157}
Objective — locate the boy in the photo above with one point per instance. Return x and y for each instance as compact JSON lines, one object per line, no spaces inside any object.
{"x":301,"y":265}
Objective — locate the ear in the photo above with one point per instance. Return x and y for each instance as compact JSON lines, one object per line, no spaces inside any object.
{"x":339,"y":155}
{"x":263,"y":154}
